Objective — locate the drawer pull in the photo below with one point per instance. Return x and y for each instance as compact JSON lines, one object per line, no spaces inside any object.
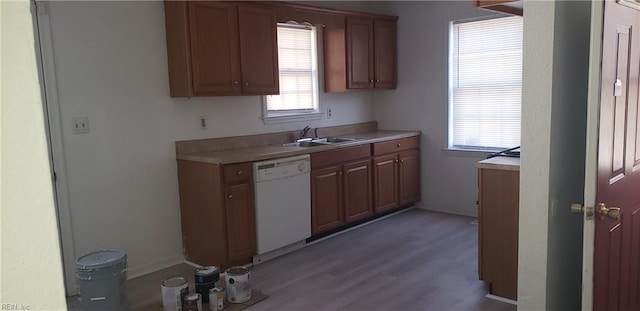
{"x":239,"y":173}
{"x":399,"y":145}
{"x":230,"y":196}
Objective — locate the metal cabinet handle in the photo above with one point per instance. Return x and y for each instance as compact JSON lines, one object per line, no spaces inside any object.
{"x":246,"y":84}
{"x":399,"y":145}
{"x":236,"y":82}
{"x":239,"y":173}
{"x":377,"y":80}
{"x":230,"y":196}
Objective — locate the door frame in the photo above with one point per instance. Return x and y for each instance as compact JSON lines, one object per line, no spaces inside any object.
{"x":53,"y":120}
{"x":591,"y":154}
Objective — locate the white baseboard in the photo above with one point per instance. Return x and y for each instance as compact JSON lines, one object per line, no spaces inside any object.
{"x":154,"y":266}
{"x":498,"y":298}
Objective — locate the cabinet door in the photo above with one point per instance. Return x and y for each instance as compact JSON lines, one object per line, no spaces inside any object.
{"x":385,"y":182}
{"x":385,"y":49}
{"x":359,"y":53}
{"x":215,"y":62}
{"x":241,"y":234}
{"x":409,"y":176}
{"x":326,"y":199}
{"x":357,"y":190}
{"x":258,"y":50}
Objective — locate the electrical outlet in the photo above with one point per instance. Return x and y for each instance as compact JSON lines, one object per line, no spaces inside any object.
{"x":329,"y":113}
{"x":203,"y":123}
{"x":80,"y":125}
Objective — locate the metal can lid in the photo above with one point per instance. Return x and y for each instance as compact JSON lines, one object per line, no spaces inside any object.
{"x":195,"y":296}
{"x":216,"y":290}
{"x":174,"y":282}
{"x":101,"y":259}
{"x":207,"y":270}
{"x":237,"y":270}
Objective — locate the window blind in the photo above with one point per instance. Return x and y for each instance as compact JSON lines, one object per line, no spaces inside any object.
{"x":298,"y":71}
{"x":486,"y":84}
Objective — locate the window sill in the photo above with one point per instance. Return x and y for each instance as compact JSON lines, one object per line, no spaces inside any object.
{"x":468,"y":153}
{"x":292,"y":118}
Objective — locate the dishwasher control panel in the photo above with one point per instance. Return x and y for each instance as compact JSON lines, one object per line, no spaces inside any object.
{"x":281,"y":168}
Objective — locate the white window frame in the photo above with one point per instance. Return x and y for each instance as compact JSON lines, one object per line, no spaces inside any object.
{"x":272,"y":117}
{"x":450,"y":145}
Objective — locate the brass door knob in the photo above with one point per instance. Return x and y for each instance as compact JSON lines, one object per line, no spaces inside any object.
{"x":611,"y":212}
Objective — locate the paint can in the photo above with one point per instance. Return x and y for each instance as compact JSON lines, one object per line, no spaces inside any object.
{"x":193,"y":302}
{"x":101,"y":276}
{"x":174,"y":293}
{"x":217,"y":299}
{"x":206,"y":279}
{"x":238,"y":287}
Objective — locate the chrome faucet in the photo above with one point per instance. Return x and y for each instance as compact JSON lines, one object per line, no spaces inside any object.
{"x":304,"y":132}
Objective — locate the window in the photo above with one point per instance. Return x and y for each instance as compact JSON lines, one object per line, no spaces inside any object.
{"x":485,"y":84}
{"x":297,"y":61}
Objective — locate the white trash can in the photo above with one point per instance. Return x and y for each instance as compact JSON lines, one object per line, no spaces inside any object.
{"x":101,"y":276}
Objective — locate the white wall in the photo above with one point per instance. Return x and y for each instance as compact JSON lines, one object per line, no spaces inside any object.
{"x":31,"y":262}
{"x":554,"y":110}
{"x":111,"y":66}
{"x":449,"y":179}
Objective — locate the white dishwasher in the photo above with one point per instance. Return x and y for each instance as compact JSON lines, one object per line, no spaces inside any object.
{"x":283,"y":202}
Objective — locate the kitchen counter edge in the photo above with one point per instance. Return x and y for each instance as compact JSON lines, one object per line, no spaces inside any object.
{"x":267,"y":152}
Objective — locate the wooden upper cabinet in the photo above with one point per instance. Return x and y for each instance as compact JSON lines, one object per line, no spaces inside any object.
{"x":513,"y":7}
{"x":359,"y":53}
{"x":259,"y":50}
{"x":371,"y":53}
{"x":215,"y":59}
{"x":221,"y":48}
{"x":385,"y":54}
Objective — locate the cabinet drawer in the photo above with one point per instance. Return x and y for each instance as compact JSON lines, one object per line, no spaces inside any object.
{"x":396,"y":145}
{"x":321,"y":159}
{"x":240,"y":172}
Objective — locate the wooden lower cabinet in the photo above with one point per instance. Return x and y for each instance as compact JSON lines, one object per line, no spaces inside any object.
{"x":241,"y":227}
{"x":326,"y":199}
{"x":217,"y":212}
{"x":340,"y":187}
{"x":385,"y":172}
{"x":357,"y":190}
{"x":396,"y":174}
{"x":498,"y":202}
{"x":409,"y":176}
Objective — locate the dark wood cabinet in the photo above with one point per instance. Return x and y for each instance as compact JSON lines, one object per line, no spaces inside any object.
{"x":217,"y":212}
{"x":409,"y":176}
{"x":239,"y":206}
{"x":340,"y":187}
{"x":326,"y":199}
{"x":357,"y":190}
{"x":221,"y":48}
{"x":513,"y":7}
{"x":385,"y":172}
{"x":396,"y":173}
{"x":385,"y":52}
{"x":498,"y":200}
{"x":360,"y":53}
{"x":371,"y":53}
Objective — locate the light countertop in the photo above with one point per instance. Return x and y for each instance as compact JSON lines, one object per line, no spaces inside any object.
{"x":500,"y":163}
{"x":258,"y":153}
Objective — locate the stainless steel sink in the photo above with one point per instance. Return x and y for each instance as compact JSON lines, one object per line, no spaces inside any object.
{"x":307,"y":142}
{"x":303,"y":144}
{"x":335,"y":140}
